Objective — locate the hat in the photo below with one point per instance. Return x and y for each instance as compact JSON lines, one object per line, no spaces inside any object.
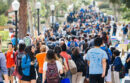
{"x":21,"y":42}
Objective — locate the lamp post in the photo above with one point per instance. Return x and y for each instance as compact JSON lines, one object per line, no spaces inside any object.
{"x":38,"y":6}
{"x":15,"y":6}
{"x":52,"y":7}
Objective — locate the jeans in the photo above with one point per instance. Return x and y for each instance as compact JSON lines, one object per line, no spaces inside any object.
{"x":69,"y":75}
{"x":96,"y":78}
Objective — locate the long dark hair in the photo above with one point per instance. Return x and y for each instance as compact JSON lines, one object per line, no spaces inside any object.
{"x":57,"y":51}
{"x":28,"y":51}
{"x":76,"y":52}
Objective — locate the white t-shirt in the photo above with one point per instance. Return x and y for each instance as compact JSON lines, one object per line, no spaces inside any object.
{"x":58,"y":64}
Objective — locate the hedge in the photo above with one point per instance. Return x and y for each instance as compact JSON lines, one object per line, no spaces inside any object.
{"x":4,"y":35}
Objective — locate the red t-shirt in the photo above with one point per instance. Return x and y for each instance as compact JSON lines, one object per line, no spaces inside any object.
{"x":66,"y":56}
{"x":10,"y":59}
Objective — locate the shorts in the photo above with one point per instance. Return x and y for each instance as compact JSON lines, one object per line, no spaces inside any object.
{"x":32,"y":75}
{"x":10,"y":71}
{"x":28,"y":78}
{"x":108,"y":77}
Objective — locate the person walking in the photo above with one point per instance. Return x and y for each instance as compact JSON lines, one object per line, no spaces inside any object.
{"x":10,"y":61}
{"x":19,"y":54}
{"x":29,"y":65}
{"x":41,"y":59}
{"x":65,"y":55}
{"x":3,"y":67}
{"x":116,"y":67}
{"x":96,"y":58}
{"x":81,"y":67}
{"x":52,"y":68}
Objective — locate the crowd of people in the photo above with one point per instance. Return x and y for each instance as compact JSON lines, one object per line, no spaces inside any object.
{"x":79,"y":52}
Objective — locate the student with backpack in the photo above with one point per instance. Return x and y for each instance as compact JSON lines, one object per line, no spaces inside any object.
{"x":27,"y":40}
{"x":57,"y":51}
{"x":108,"y":62}
{"x":19,"y":54}
{"x":65,"y":55}
{"x":10,"y":61}
{"x":52,"y":68}
{"x":81,"y":67}
{"x":28,"y":65}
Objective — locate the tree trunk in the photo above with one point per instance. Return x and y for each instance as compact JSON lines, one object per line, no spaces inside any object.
{"x":23,"y":19}
{"x":30,"y":19}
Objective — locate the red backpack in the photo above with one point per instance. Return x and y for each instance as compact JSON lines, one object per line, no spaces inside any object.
{"x":52,"y":73}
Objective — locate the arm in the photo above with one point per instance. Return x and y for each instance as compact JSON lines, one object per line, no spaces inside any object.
{"x":128,"y":58}
{"x":104,"y":67}
{"x":44,"y":76}
{"x":88,"y":62}
{"x":66,"y":67}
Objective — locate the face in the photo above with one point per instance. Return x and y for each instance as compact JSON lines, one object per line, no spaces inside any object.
{"x":10,"y":47}
{"x":33,"y":49}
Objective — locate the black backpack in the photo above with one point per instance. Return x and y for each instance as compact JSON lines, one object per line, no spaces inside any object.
{"x":19,"y":61}
{"x":81,"y":65}
{"x":126,"y":30}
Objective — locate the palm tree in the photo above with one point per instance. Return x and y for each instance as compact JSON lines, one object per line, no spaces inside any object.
{"x":23,"y":19}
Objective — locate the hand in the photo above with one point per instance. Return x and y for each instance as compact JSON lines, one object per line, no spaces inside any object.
{"x":103,"y":74}
{"x":32,"y":63}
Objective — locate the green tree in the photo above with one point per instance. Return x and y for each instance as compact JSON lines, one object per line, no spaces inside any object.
{"x":3,"y":7}
{"x":3,"y":20}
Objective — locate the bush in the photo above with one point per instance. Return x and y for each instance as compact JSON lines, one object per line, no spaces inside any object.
{"x":104,"y":5}
{"x":43,"y":22}
{"x":4,"y":35}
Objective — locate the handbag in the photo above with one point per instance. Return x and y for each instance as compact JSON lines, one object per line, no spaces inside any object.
{"x":16,"y":73}
{"x":63,"y":79}
{"x":86,"y":81}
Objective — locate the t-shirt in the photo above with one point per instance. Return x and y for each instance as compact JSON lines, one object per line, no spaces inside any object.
{"x":95,"y":56}
{"x":41,"y":59}
{"x":10,"y":59}
{"x":58,"y":64}
{"x":66,"y":56}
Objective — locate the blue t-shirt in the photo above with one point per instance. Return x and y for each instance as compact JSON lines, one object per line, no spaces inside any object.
{"x":13,"y":40}
{"x":95,"y":56}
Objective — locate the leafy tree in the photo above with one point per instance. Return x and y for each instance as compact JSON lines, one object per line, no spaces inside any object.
{"x":3,"y":7}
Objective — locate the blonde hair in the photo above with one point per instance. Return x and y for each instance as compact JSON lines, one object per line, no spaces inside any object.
{"x":43,"y":48}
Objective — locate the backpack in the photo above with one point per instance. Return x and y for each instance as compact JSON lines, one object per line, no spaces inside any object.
{"x":52,"y":73}
{"x":72,"y":66}
{"x":81,"y":65}
{"x":19,"y":61}
{"x":27,"y":41}
{"x":108,"y":61}
{"x":126,"y":30}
